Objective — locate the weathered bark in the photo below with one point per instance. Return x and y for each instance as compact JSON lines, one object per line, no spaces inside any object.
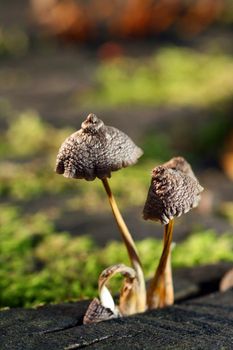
{"x":199,"y":323}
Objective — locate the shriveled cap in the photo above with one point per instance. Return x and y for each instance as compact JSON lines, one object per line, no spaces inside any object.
{"x":95,"y":150}
{"x":172,"y":192}
{"x":96,"y":312}
{"x":181,"y":164}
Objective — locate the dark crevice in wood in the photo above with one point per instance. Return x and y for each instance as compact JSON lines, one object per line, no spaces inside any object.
{"x":56,"y":330}
{"x":84,"y":345}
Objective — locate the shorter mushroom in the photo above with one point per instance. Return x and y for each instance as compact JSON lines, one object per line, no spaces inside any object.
{"x":95,"y":151}
{"x":105,"y":308}
{"x":174,"y":190}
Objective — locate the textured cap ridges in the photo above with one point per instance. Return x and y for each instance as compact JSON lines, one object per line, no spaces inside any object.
{"x":174,"y":190}
{"x":97,"y":313}
{"x":95,"y":151}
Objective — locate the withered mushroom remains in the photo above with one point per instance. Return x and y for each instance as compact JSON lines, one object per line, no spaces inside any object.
{"x":105,"y":308}
{"x":96,"y":312}
{"x":174,"y":190}
{"x":95,"y":151}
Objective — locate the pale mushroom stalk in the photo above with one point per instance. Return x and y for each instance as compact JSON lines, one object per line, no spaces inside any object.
{"x":169,"y":297}
{"x":160,"y":291}
{"x":130,"y":245}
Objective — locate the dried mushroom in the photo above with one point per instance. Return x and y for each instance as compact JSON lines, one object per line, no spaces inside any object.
{"x":171,"y":194}
{"x":96,"y":312}
{"x":174,"y":190}
{"x":180,"y":164}
{"x":105,"y":308}
{"x":95,"y":151}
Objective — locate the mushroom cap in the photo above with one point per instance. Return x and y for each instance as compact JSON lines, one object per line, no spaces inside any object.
{"x":95,"y":150}
{"x":181,"y":164}
{"x":172,"y":192}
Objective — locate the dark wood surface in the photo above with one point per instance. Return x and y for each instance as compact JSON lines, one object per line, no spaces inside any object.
{"x":203,"y":323}
{"x":198,"y":323}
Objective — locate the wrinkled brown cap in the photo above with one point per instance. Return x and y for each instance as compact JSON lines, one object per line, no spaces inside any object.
{"x":174,"y":190}
{"x":95,"y":150}
{"x":181,"y":164}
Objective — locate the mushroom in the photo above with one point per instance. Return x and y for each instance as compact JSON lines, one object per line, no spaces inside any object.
{"x":174,"y":190}
{"x":105,"y":308}
{"x":95,"y":151}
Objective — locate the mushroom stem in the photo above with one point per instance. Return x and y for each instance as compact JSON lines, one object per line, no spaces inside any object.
{"x":168,"y":281}
{"x":131,"y":248}
{"x":160,"y":292}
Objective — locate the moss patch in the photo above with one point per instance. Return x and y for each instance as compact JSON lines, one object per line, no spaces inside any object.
{"x":40,"y":265}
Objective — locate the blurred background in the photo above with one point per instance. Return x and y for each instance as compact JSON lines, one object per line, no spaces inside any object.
{"x":160,"y":70}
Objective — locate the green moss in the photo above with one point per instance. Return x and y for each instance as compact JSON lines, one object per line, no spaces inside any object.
{"x":40,"y":265}
{"x":28,"y":150}
{"x":204,"y":247}
{"x":172,"y":76}
{"x":22,"y":131}
{"x":28,"y":135}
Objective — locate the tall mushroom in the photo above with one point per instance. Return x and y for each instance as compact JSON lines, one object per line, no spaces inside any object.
{"x":174,"y":190}
{"x":95,"y":151}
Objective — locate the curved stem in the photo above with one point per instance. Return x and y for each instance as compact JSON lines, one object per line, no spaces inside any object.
{"x":160,"y":291}
{"x":130,"y":245}
{"x":129,"y":291}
